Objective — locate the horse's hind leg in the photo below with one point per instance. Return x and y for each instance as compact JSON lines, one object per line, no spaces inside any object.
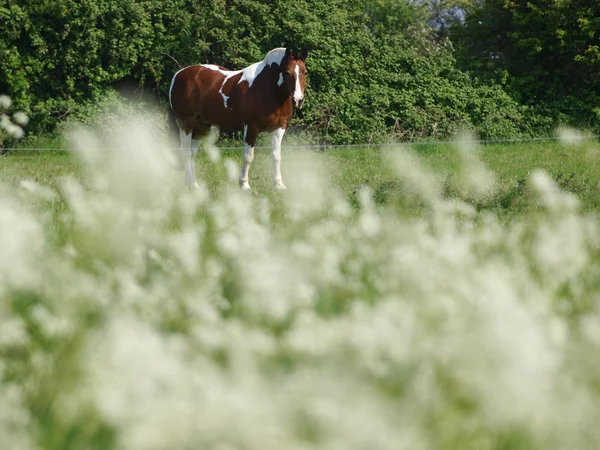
{"x":190,"y":133}
{"x":198,"y":133}
{"x":250,"y":135}
{"x":187,"y":156}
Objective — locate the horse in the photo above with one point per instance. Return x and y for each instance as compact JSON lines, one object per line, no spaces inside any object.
{"x":259,"y":98}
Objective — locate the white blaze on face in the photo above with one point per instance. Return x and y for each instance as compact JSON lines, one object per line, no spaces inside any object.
{"x":298,"y":90}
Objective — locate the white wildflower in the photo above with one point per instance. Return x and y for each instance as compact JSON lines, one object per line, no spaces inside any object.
{"x":231,"y":168}
{"x":5,"y":103}
{"x":212,"y":151}
{"x":15,"y":131}
{"x":409,"y":170}
{"x":20,"y":118}
{"x":291,"y":320}
{"x":475,"y":177}
{"x":13,"y":332}
{"x":569,"y":137}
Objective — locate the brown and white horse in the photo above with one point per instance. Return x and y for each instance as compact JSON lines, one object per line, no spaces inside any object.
{"x":259,"y":98}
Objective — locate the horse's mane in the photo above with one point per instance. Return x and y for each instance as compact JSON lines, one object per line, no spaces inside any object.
{"x":250,"y":73}
{"x":275,"y":56}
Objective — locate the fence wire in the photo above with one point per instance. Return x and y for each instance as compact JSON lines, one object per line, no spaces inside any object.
{"x":332,"y":146}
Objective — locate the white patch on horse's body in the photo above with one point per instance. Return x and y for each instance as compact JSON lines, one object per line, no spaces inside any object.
{"x":275,"y":56}
{"x":251,"y":72}
{"x":225,"y":98}
{"x":228,"y":74}
{"x":298,"y":89}
{"x":172,"y":83}
{"x":214,"y":67}
{"x":281,"y":80}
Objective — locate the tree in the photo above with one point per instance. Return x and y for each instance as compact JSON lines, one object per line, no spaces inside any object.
{"x":546,"y":52}
{"x":375,"y":67}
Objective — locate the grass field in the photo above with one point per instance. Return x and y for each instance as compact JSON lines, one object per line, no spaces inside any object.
{"x":574,"y":169}
{"x":425,"y":298}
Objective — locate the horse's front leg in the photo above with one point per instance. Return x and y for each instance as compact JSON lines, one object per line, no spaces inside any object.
{"x":276,"y":139}
{"x":250,"y":135}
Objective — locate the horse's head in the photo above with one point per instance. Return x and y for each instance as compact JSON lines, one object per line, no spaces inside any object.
{"x":294,"y":76}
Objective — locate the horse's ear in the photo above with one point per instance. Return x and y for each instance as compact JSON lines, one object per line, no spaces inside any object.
{"x":289,"y":52}
{"x":303,"y":54}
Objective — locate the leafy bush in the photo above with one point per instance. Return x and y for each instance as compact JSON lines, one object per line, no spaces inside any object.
{"x":372,"y":76}
{"x":545,"y":57}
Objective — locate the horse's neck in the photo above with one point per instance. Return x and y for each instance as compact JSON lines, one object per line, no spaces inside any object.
{"x":282,"y":95}
{"x":268,"y":83}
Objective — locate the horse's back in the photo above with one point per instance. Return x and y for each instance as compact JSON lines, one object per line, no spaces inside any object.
{"x":190,"y":84}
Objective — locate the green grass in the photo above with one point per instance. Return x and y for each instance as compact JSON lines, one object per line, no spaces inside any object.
{"x":574,"y":169}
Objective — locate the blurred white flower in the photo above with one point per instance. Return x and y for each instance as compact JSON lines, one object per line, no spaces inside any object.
{"x":211,"y":149}
{"x":13,"y":332}
{"x":569,"y":136}
{"x":409,"y":169}
{"x":232,"y":169}
{"x":178,"y":320}
{"x":11,"y":129}
{"x":475,"y":177}
{"x":5,"y":103}
{"x":20,"y":118}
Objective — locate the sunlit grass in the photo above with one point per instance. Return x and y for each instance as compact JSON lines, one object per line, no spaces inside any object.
{"x":573,"y":168}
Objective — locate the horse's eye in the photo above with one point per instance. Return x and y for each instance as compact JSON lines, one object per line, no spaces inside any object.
{"x":287,"y":72}
{"x":305,"y":73}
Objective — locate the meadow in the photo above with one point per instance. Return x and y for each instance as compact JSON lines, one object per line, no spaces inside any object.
{"x":573,"y":168}
{"x":426,"y":297}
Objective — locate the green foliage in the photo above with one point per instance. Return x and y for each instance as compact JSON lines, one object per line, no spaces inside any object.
{"x":376,"y":69}
{"x":545,"y":54}
{"x":59,"y":54}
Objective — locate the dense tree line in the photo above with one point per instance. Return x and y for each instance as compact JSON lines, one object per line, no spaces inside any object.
{"x":544,"y":53}
{"x":378,"y":68}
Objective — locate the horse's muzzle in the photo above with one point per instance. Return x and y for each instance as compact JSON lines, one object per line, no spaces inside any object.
{"x":299,"y":103}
